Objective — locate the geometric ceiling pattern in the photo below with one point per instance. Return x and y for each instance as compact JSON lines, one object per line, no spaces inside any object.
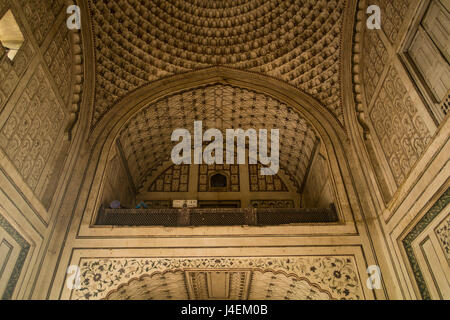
{"x":218,"y":285}
{"x":236,"y":278}
{"x":146,"y":138}
{"x":137,"y":42}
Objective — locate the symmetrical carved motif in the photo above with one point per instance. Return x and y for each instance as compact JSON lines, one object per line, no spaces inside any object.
{"x":401,"y":130}
{"x":29,"y":135}
{"x":273,"y":204}
{"x":138,"y":42}
{"x":59,"y":61}
{"x":158,"y":286}
{"x":199,"y":284}
{"x":10,"y":73}
{"x":146,"y":137}
{"x":443,"y":235}
{"x":394,"y":13}
{"x":41,"y":15}
{"x":264,"y":183}
{"x":174,"y":179}
{"x":230,"y":171}
{"x":235,"y":285}
{"x":336,"y":275}
{"x":273,"y":286}
{"x":375,"y":55}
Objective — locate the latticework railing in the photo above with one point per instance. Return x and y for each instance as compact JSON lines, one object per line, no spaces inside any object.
{"x":213,"y":217}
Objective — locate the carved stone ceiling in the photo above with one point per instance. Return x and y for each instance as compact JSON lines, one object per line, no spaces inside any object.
{"x":219,"y":285}
{"x":140,"y":41}
{"x":233,"y":278}
{"x":146,"y":138}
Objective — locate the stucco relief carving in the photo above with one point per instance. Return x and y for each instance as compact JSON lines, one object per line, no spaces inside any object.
{"x":10,"y":73}
{"x":157,"y":286}
{"x":443,"y":235}
{"x":30,"y":133}
{"x":59,"y":61}
{"x":146,"y":137}
{"x":264,"y":183}
{"x":41,"y":15}
{"x":394,"y":14}
{"x":403,"y":133}
{"x":336,"y":275}
{"x":174,"y":179}
{"x":197,"y":285}
{"x":230,"y":171}
{"x":375,"y":55}
{"x":298,"y":42}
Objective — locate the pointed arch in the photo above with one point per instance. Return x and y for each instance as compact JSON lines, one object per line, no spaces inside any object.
{"x":329,"y":129}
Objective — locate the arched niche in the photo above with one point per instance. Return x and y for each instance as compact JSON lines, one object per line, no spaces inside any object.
{"x":227,"y":284}
{"x":329,"y":130}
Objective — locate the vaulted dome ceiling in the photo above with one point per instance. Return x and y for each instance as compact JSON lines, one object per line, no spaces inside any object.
{"x":253,"y":278}
{"x":140,"y":41}
{"x":146,"y":143}
{"x":219,"y":285}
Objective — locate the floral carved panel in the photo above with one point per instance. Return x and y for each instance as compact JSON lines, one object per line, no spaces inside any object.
{"x":336,"y":275}
{"x":29,"y":135}
{"x":443,"y":235}
{"x":400,"y":128}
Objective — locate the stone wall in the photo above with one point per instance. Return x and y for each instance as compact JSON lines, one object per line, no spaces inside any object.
{"x":35,"y":95}
{"x":317,"y":191}
{"x":118,"y":184}
{"x":407,"y":148}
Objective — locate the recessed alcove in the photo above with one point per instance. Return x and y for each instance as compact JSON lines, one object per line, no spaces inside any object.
{"x":218,"y":181}
{"x":141,"y":175}
{"x":361,"y":190}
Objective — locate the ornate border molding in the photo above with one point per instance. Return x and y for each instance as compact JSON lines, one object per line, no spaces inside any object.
{"x":77,"y":77}
{"x":25,"y":247}
{"x":435,"y":210}
{"x":336,"y":274}
{"x":356,"y":69}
